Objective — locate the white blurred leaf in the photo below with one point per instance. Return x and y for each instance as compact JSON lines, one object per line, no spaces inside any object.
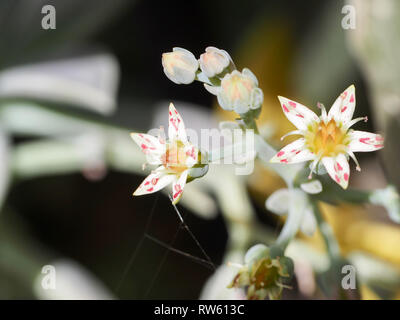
{"x":312,"y":187}
{"x":278,"y":202}
{"x":373,"y":270}
{"x":298,"y":204}
{"x":90,"y":82}
{"x":309,"y":223}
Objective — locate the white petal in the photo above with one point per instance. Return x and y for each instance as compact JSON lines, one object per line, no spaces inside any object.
{"x":177,"y":187}
{"x":343,"y":108}
{"x":203,"y":78}
{"x":256,"y":99}
{"x":151,"y":146}
{"x":338,"y":169}
{"x":240,"y":106}
{"x":224,"y":102}
{"x":362,"y":141}
{"x":294,"y":152}
{"x":308,"y":224}
{"x":154,"y":182}
{"x":250,"y":74}
{"x":176,"y":127}
{"x":297,"y":114}
{"x":278,"y":202}
{"x":212,"y":89}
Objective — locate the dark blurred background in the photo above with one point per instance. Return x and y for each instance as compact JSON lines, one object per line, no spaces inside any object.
{"x":96,"y":222}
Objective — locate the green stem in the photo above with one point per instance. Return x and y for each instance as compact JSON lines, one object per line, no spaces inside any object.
{"x":251,"y":123}
{"x":331,"y":243}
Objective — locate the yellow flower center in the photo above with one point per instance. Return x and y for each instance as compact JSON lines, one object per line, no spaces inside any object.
{"x":326,"y":139}
{"x":175,"y":157}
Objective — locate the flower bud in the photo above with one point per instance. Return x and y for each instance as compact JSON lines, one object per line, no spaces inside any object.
{"x":214,"y":61}
{"x":180,"y":66}
{"x":263,"y":275}
{"x":238,"y":92}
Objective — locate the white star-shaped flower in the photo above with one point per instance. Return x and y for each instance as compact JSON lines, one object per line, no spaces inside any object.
{"x":328,"y":138}
{"x":175,"y":157}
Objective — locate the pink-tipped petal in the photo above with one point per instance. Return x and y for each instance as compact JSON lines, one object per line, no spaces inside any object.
{"x":178,"y":185}
{"x":154,"y":182}
{"x":338,"y":169}
{"x":176,"y":127}
{"x":294,"y":152}
{"x":342,"y":109}
{"x":362,"y":141}
{"x":151,"y":146}
{"x":297,"y":114}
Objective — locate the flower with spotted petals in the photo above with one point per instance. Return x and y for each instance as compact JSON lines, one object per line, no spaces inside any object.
{"x":175,"y":157}
{"x":328,"y":138}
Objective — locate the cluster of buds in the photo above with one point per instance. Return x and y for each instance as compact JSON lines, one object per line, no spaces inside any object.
{"x":236,"y":91}
{"x":264,"y":274}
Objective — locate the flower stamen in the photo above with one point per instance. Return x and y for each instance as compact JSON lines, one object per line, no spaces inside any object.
{"x":354,"y":121}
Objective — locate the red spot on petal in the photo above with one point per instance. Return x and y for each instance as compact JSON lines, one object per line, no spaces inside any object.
{"x":173,"y":122}
{"x":147,"y":183}
{"x":364,"y":140}
{"x":191,"y":153}
{"x":337,"y":178}
{"x":284,"y":160}
{"x":150,"y":189}
{"x":293,"y":104}
{"x":297,"y":152}
{"x":343,"y":109}
{"x":178,"y":190}
{"x":280,"y":153}
{"x":285,"y":108}
{"x":143,"y":146}
{"x":378,"y":146}
{"x":154,"y":181}
{"x":346,"y":177}
{"x":299,"y":115}
{"x":352,"y":98}
{"x":339,"y":166}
